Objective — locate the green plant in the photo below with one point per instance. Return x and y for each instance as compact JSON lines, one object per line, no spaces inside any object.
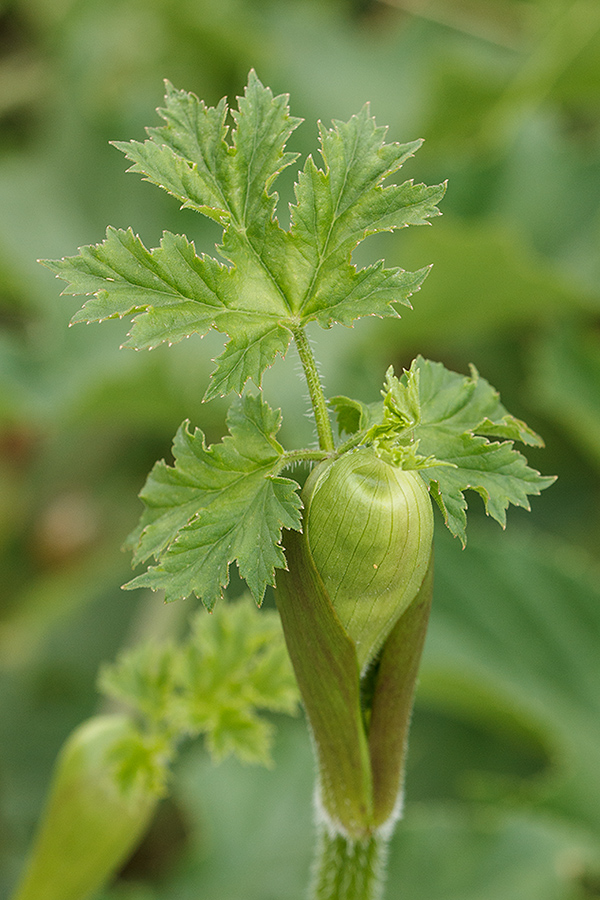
{"x":353,"y":568}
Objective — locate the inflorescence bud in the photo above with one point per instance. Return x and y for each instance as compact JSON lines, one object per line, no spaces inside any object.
{"x":90,"y":824}
{"x":354,"y":604}
{"x":369,"y":527}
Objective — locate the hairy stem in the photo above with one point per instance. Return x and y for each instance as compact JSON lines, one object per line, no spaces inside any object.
{"x":348,"y":870}
{"x":317,"y":397}
{"x":289,"y":457}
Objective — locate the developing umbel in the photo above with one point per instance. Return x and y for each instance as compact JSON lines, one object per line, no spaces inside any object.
{"x":90,"y":824}
{"x":369,"y":528}
{"x":354,"y":605}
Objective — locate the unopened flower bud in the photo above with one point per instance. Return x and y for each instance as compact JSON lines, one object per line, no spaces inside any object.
{"x":369,"y":528}
{"x":91,"y":823}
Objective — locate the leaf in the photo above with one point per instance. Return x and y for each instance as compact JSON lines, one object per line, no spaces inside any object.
{"x":237,"y":664}
{"x":438,"y":421}
{"x":218,"y":504}
{"x":173,"y":293}
{"x":215,"y":682}
{"x":354,"y":415}
{"x":144,"y":678}
{"x":341,"y":204}
{"x":271,"y":282}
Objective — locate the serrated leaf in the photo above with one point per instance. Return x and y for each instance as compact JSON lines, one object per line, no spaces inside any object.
{"x":173,"y":293}
{"x":143,"y":678}
{"x":141,"y":759}
{"x":341,"y":204}
{"x":125,"y":278}
{"x":219,"y":504}
{"x":443,"y":419}
{"x":216,"y":676}
{"x":232,"y":665}
{"x":498,"y":473}
{"x":276,"y":281}
{"x":190,"y":158}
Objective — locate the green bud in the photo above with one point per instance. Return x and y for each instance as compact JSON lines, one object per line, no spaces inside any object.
{"x":369,"y":529}
{"x":91,"y":823}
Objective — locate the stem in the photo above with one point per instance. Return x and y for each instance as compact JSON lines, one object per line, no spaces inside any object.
{"x":289,"y":457}
{"x":317,"y":397}
{"x":348,"y":870}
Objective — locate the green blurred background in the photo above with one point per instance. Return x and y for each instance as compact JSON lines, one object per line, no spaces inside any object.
{"x":503,"y":795}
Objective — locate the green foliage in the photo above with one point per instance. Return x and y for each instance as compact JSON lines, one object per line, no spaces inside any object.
{"x":228,"y":502}
{"x":369,"y":572}
{"x":515,"y":834}
{"x":438,"y":421}
{"x":213,"y":683}
{"x":218,"y":504}
{"x":278,"y":280}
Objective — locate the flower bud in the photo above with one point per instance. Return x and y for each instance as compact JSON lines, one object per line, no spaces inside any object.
{"x":369,"y":528}
{"x":91,"y":823}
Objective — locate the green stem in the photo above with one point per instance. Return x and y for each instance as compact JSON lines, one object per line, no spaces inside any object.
{"x":289,"y":457}
{"x":317,"y":397}
{"x":348,"y":870}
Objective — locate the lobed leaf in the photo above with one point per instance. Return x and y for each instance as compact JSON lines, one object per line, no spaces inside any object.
{"x":275,"y":281}
{"x":340,"y":205}
{"x":214,"y":682}
{"x":218,"y":504}
{"x":439,"y":422}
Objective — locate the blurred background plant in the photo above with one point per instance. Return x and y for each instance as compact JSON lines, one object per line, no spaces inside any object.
{"x":503,"y":797}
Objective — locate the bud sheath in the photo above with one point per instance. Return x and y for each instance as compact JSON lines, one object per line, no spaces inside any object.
{"x":369,"y":528}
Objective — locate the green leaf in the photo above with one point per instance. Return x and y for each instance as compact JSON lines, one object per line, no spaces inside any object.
{"x":142,"y":758}
{"x":218,"y":504}
{"x":340,"y":205}
{"x":236,"y":664}
{"x":215,"y":682}
{"x":144,"y":678}
{"x":273,"y":281}
{"x":191,"y":159}
{"x":173,"y":293}
{"x":353,"y":415}
{"x":438,"y":421}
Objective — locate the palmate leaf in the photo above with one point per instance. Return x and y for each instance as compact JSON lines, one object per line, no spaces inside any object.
{"x":218,"y":504}
{"x":439,"y":422}
{"x":270,"y":282}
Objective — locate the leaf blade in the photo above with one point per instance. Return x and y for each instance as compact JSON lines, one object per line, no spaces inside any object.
{"x":439,"y":422}
{"x":218,"y":505}
{"x":340,"y":205}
